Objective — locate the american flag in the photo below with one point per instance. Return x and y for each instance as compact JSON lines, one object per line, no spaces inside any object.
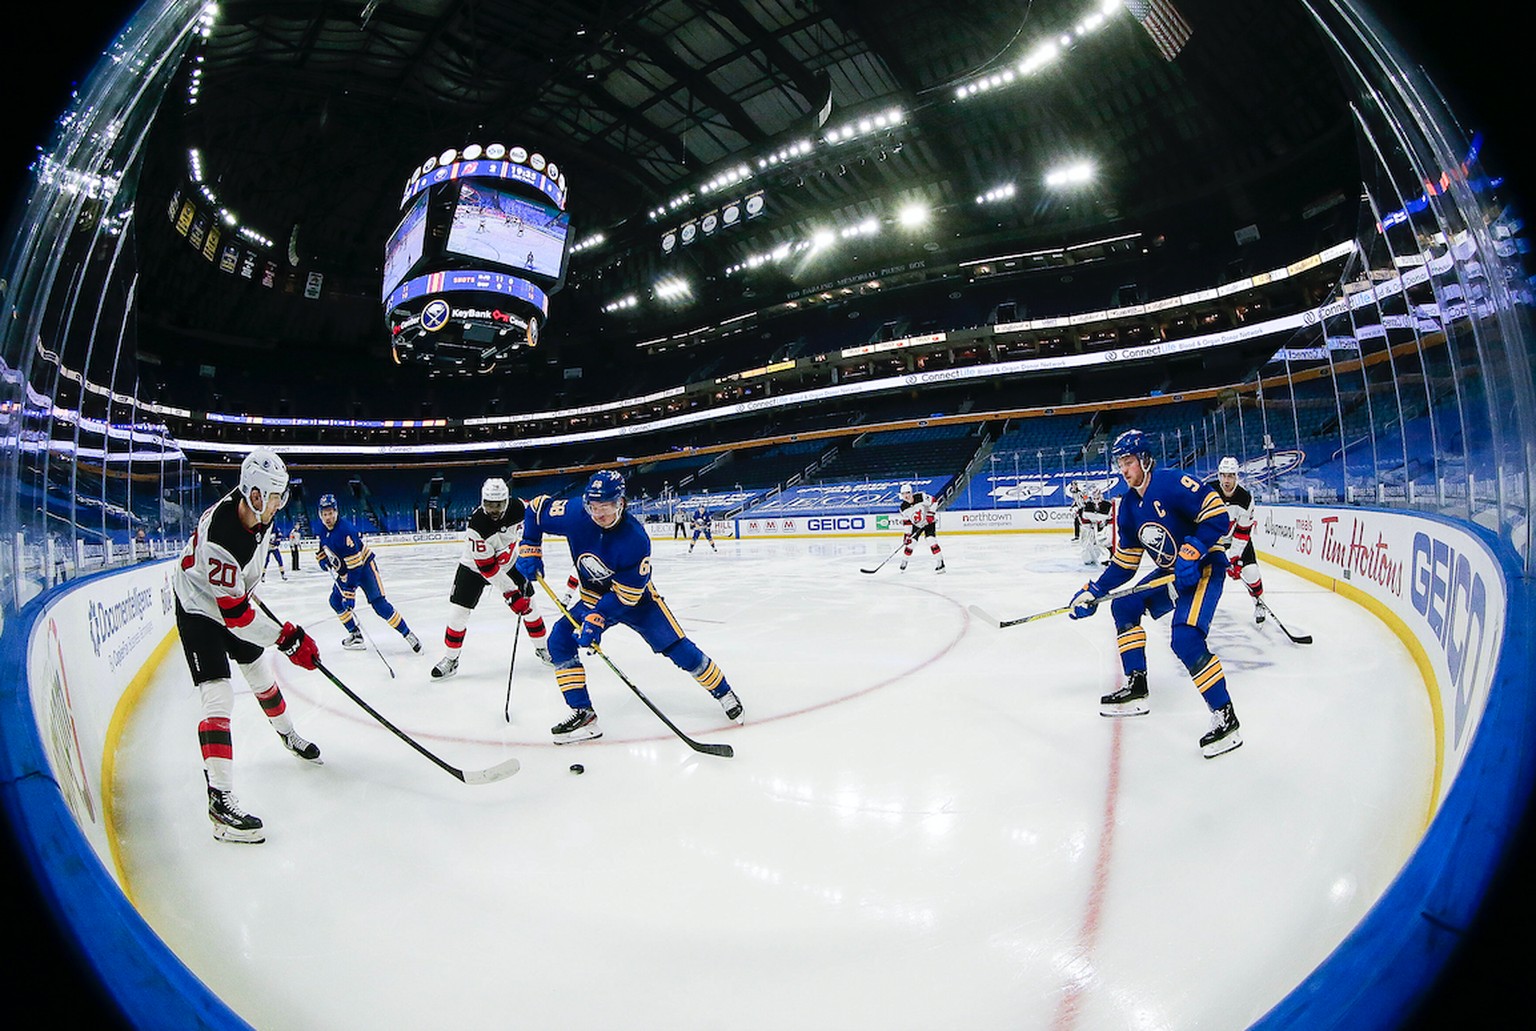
{"x":1163,"y":23}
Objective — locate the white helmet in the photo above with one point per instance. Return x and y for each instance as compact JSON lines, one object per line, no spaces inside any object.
{"x":263,"y":470}
{"x":493,"y":497}
{"x":1227,"y":465}
{"x":906,"y":490}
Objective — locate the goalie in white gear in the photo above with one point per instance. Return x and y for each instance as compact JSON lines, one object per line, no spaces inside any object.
{"x":1096,"y":520}
{"x":1242,"y":562}
{"x":218,"y":619}
{"x":919,"y":518}
{"x":490,"y":545}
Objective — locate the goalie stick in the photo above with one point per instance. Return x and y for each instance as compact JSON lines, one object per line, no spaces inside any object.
{"x":501,"y":771}
{"x":724,"y":751}
{"x":987,"y":617}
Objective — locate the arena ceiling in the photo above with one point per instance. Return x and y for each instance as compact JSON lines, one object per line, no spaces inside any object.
{"x":311,"y":115}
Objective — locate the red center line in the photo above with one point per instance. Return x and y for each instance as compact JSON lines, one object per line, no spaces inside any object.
{"x":1088,"y":936}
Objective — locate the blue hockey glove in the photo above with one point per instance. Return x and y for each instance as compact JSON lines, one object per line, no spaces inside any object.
{"x":1186,"y":568}
{"x":530,"y":562}
{"x":1086,"y":601}
{"x":591,"y":631}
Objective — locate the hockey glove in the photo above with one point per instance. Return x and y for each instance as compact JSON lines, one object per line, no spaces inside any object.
{"x":530,"y":562}
{"x":591,"y":631}
{"x":1086,"y":601}
{"x":1186,"y":568}
{"x":1235,"y":568}
{"x":300,"y":648}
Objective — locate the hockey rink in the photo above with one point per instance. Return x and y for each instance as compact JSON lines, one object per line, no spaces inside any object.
{"x":926,"y":823}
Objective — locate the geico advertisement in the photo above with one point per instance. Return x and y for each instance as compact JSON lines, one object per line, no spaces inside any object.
{"x":85,"y":648}
{"x":842,"y":524}
{"x":1440,"y":580}
{"x":1014,"y":520}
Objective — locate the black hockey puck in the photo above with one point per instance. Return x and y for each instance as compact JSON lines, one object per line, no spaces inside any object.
{"x":578,"y":768}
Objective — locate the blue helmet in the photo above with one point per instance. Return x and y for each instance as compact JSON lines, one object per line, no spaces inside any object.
{"x":604,"y":487}
{"x":327,"y":501}
{"x":1132,"y":442}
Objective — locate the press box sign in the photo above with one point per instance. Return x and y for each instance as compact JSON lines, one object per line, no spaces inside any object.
{"x":1442,"y":581}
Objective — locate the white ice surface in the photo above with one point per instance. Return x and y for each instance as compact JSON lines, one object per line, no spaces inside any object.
{"x":927,"y":824}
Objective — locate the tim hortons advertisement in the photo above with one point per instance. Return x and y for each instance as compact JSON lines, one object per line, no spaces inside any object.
{"x":1439,"y":580}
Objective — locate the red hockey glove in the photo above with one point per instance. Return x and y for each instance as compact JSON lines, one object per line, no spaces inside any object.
{"x":300,"y":648}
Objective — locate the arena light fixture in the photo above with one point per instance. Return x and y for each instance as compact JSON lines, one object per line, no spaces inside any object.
{"x":912,"y":215}
{"x":1074,"y":174}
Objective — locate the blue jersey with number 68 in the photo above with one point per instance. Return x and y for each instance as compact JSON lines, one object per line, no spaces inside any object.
{"x":614,"y":565}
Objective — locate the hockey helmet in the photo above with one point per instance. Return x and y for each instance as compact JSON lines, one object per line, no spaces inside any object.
{"x":263,"y":470}
{"x":906,"y":490}
{"x":1227,"y":465}
{"x":327,"y":501}
{"x":605,"y":488}
{"x":494,"y":495}
{"x":1132,"y":442}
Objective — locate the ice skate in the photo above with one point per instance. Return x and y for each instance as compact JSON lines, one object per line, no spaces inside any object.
{"x":230,"y":821}
{"x":1129,"y":700}
{"x":903,"y":566}
{"x":731,"y":704}
{"x":354,"y":642}
{"x":940,"y":567}
{"x":306,"y":750}
{"x":1260,"y":611}
{"x":446,"y":667}
{"x":1223,"y":735}
{"x":582,"y":726}
{"x":543,"y":654}
{"x":414,"y":641}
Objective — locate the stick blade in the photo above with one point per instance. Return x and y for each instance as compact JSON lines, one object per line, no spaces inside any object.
{"x":984,"y":616}
{"x":501,"y":771}
{"x":723,"y":751}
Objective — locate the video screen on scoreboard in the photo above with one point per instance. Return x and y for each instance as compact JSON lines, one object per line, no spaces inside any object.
{"x":405,"y":244}
{"x":508,"y":229}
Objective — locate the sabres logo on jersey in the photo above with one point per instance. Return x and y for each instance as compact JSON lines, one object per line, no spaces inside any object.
{"x":1158,"y":544}
{"x":593,"y":569}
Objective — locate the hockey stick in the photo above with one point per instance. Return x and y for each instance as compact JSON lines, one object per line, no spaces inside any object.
{"x":517,"y":627}
{"x":887,"y":558}
{"x":987,"y":617}
{"x":1295,"y":638}
{"x":724,"y":751}
{"x":501,"y":771}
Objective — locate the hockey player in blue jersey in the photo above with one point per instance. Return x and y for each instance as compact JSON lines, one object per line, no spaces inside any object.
{"x":701,"y":525}
{"x":1180,"y":524}
{"x":274,"y":553}
{"x":345,"y":554}
{"x":612,"y":554}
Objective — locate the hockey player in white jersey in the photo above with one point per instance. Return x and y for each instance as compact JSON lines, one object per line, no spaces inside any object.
{"x":1242,"y":560}
{"x":490,"y":545}
{"x":919,"y":518}
{"x":1095,"y":518}
{"x":218,"y":619}
{"x":275,"y":553}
